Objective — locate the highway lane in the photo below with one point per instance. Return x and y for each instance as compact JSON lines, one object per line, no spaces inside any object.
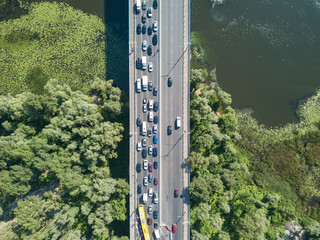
{"x":172,"y":155}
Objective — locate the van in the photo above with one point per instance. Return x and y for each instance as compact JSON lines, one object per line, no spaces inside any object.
{"x":144,"y":62}
{"x":138,"y":85}
{"x":178,"y":122}
{"x":144,"y":128}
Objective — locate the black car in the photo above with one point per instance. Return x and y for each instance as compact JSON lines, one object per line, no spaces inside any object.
{"x":144,"y":29}
{"x":139,"y":121}
{"x":155,"y":39}
{"x":139,"y":167}
{"x":169,"y":130}
{"x":155,"y":119}
{"x":139,"y":189}
{"x":155,"y":106}
{"x":144,"y":18}
{"x":144,"y":153}
{"x":138,"y":63}
{"x":155,"y":4}
{"x":155,"y":91}
{"x":139,"y":29}
{"x":156,"y":225}
{"x":149,"y":30}
{"x":169,"y":81}
{"x":155,"y":152}
{"x":155,"y":215}
{"x":149,"y":51}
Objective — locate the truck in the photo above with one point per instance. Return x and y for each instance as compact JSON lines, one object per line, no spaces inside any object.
{"x":138,"y":6}
{"x":144,"y":83}
{"x":145,"y":198}
{"x":156,"y":234}
{"x":143,"y":128}
{"x":144,"y":62}
{"x":138,"y":85}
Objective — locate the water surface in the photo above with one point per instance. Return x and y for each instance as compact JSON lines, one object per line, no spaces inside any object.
{"x":267,"y":52}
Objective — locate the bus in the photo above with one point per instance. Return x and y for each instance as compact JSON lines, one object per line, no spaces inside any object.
{"x":143,"y":222}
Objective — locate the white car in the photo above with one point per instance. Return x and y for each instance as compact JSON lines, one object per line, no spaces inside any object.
{"x":145,"y":181}
{"x":155,"y":26}
{"x":150,"y":150}
{"x":155,"y":198}
{"x":149,"y":13}
{"x":145,"y":164}
{"x":144,"y":108}
{"x":139,"y":146}
{"x":150,"y":116}
{"x":150,"y":67}
{"x":150,"y":192}
{"x":150,"y":209}
{"x":144,"y":45}
{"x":155,"y":129}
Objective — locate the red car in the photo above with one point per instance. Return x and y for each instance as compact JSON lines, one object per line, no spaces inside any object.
{"x":174,"y":228}
{"x":155,"y":181}
{"x":150,"y":167}
{"x":176,"y":193}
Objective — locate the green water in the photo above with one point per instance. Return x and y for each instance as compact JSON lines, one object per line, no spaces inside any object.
{"x":267,"y":52}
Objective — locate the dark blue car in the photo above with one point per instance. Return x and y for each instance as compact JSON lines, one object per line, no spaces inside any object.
{"x":150,"y":178}
{"x":155,"y":91}
{"x":155,"y":139}
{"x":156,"y":106}
{"x":144,"y":29}
{"x":155,"y":152}
{"x":139,"y":189}
{"x":155,"y":119}
{"x":155,"y":215}
{"x":155,"y":165}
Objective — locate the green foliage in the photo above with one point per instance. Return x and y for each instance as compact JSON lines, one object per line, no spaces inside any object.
{"x":51,"y":40}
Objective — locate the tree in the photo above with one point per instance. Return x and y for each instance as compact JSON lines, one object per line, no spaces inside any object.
{"x":195,"y":235}
{"x":313,"y":229}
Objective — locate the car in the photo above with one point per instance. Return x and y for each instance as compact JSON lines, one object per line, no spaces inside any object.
{"x":178,"y":122}
{"x":145,"y":164}
{"x":139,"y":121}
{"x":150,"y":86}
{"x":155,"y":152}
{"x":169,"y":130}
{"x":150,"y":209}
{"x":156,"y":106}
{"x":150,"y":116}
{"x":150,"y":150}
{"x":144,"y":5}
{"x":155,"y":198}
{"x":155,"y":139}
{"x":144,"y":45}
{"x":155,"y":119}
{"x":155,"y":165}
{"x":155,"y":91}
{"x":150,"y":192}
{"x":144,"y":142}
{"x":155,"y":4}
{"x":149,"y":13}
{"x":155,"y":181}
{"x":155,"y":215}
{"x":138,"y":167}
{"x":139,"y":189}
{"x":155,"y":129}
{"x":144,"y":29}
{"x":176,"y":193}
{"x":138,"y":63}
{"x":143,"y":18}
{"x":149,"y":132}
{"x":149,"y":30}
{"x":139,"y":29}
{"x":156,"y":225}
{"x":150,"y":67}
{"x":155,"y":39}
{"x":150,"y":167}
{"x":174,"y":228}
{"x":145,"y":181}
{"x":144,"y":108}
{"x":144,"y":101}
{"x":139,"y":146}
{"x":149,"y":51}
{"x":144,"y":153}
{"x":150,"y":178}
{"x":155,"y":26}
{"x":169,"y":81}
{"x":149,"y":221}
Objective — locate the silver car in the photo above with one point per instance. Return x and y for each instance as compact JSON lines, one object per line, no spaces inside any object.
{"x":144,"y":142}
{"x":145,"y":181}
{"x":150,"y":67}
{"x":150,"y":150}
{"x":144,"y":45}
{"x":144,"y":108}
{"x":155,"y":26}
{"x":155,"y":129}
{"x":150,"y":209}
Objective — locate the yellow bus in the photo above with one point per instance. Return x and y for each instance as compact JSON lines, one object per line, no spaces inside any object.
{"x":143,"y":222}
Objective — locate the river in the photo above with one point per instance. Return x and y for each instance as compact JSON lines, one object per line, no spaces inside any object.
{"x":267,"y":52}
